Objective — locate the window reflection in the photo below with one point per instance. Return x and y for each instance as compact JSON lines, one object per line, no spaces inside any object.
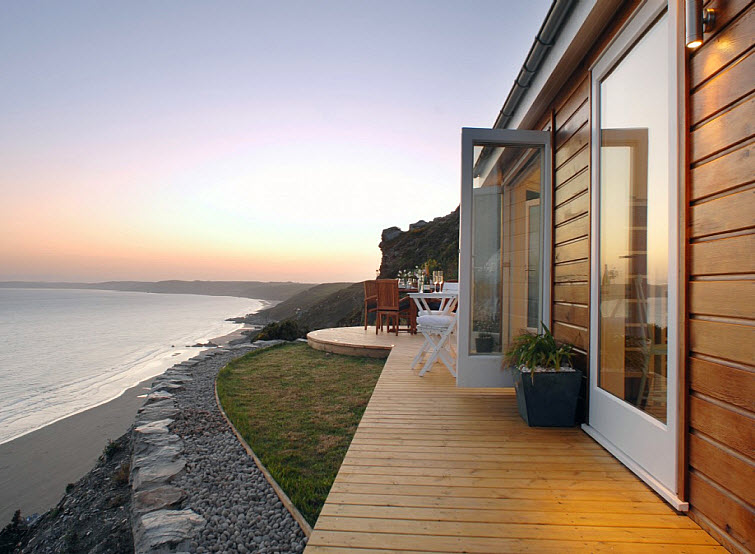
{"x":633,"y":314}
{"x":506,"y":246}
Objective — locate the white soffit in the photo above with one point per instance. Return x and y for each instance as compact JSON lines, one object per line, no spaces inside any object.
{"x":582,"y":27}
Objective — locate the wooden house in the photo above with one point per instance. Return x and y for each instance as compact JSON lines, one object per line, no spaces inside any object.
{"x":613,"y":201}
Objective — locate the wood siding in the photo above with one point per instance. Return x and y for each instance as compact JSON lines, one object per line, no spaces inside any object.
{"x":721,"y":289}
{"x":571,"y":214}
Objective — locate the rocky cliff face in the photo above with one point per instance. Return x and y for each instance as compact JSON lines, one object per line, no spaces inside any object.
{"x":437,"y":240}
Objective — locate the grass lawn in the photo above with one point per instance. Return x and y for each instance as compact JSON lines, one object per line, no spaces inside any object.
{"x":298,"y":409}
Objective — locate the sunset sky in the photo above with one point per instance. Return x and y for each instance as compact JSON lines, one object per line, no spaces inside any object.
{"x":238,"y":140}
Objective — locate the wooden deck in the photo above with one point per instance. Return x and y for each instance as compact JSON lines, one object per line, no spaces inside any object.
{"x":435,"y":468}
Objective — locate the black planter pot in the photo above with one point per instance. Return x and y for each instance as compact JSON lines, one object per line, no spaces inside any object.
{"x":551,"y":401}
{"x":484,"y":343}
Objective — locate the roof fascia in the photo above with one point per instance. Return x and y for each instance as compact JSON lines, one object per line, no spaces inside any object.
{"x":584,"y":24}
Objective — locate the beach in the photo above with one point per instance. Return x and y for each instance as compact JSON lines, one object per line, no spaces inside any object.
{"x":35,"y":468}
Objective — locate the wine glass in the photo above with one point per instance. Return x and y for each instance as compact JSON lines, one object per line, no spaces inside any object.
{"x":440,"y":281}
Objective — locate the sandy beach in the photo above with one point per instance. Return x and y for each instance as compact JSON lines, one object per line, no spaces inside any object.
{"x":35,"y":468}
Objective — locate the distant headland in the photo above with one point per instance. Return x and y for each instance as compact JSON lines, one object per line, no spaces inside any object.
{"x":245,"y":289}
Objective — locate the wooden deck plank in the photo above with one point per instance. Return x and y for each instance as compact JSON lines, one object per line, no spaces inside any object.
{"x":434,"y":468}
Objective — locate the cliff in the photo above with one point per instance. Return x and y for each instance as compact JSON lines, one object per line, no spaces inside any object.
{"x":436,"y":241}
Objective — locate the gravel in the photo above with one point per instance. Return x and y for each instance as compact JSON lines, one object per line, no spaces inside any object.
{"x":222,"y":483}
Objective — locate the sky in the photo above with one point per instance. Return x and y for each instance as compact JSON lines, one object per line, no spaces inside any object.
{"x":238,"y":140}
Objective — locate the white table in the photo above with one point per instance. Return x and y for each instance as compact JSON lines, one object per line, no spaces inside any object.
{"x":436,"y":325}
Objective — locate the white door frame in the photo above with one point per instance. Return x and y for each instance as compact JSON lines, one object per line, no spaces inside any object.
{"x":484,"y":370}
{"x":644,"y":444}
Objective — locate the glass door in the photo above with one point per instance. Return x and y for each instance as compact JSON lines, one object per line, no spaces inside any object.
{"x":633,"y":324}
{"x":504,"y":238}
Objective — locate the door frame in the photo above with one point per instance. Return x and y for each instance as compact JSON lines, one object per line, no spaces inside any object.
{"x":484,"y":370}
{"x":641,"y":20}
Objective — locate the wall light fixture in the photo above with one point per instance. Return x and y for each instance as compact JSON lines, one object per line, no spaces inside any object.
{"x":699,"y":20}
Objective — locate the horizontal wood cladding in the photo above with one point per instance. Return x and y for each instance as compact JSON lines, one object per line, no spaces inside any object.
{"x":722,"y":298}
{"x":730,"y":255}
{"x":731,"y":170}
{"x":733,"y":518}
{"x":573,"y":251}
{"x":577,"y":164}
{"x":729,"y":86}
{"x":721,"y":293}
{"x":574,"y":143}
{"x":574,"y":208}
{"x":732,"y":212}
{"x":575,"y":229}
{"x":727,"y":129}
{"x":727,"y":341}
{"x":725,"y":383}
{"x":573,"y":334}
{"x":734,"y":473}
{"x":729,"y":42}
{"x":572,"y":272}
{"x":573,"y":314}
{"x":573,"y":187}
{"x":573,"y":293}
{"x":733,"y":429}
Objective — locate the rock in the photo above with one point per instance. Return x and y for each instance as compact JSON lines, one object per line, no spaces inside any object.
{"x":418,"y":225}
{"x":155,"y":472}
{"x":166,"y":530}
{"x":159,"y":426}
{"x":389,"y":234}
{"x":150,"y":414}
{"x":159,"y":498}
{"x":157,"y":396}
{"x":166,"y":386}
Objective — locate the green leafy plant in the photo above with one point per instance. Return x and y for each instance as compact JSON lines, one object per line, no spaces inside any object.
{"x":537,"y":350}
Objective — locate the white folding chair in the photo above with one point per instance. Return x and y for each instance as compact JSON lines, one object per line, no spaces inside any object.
{"x":437,"y":330}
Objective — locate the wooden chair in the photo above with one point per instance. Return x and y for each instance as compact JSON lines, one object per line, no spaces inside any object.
{"x":370,"y":300}
{"x":390,"y":306}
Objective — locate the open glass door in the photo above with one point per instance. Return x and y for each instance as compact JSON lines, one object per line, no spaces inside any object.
{"x":634,"y":255}
{"x":505,"y":243}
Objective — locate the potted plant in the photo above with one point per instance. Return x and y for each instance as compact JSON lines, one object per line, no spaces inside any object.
{"x":547,"y":387}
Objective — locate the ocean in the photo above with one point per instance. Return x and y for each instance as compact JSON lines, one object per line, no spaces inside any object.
{"x":65,"y":351}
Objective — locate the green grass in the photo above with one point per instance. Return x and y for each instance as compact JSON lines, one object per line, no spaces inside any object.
{"x":298,"y":409}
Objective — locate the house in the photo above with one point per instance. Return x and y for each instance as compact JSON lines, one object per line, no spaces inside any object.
{"x":613,"y":201}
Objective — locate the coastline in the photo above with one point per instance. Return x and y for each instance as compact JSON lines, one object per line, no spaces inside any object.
{"x":36,"y":467}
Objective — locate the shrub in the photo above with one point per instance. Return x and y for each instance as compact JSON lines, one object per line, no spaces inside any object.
{"x":288,"y":329}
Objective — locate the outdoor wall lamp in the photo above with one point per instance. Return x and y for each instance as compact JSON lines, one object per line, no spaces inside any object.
{"x":699,"y":20}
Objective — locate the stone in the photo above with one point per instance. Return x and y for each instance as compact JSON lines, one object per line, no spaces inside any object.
{"x":159,"y":498}
{"x":166,"y":530}
{"x":157,"y":396}
{"x":147,"y":442}
{"x":166,"y":386}
{"x":417,"y":225}
{"x":155,"y":472}
{"x":159,"y":426}
{"x":150,"y":414}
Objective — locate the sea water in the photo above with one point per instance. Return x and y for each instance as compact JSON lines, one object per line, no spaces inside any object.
{"x":65,"y":351}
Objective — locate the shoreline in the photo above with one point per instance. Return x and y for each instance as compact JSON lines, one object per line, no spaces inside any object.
{"x":36,"y":467}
